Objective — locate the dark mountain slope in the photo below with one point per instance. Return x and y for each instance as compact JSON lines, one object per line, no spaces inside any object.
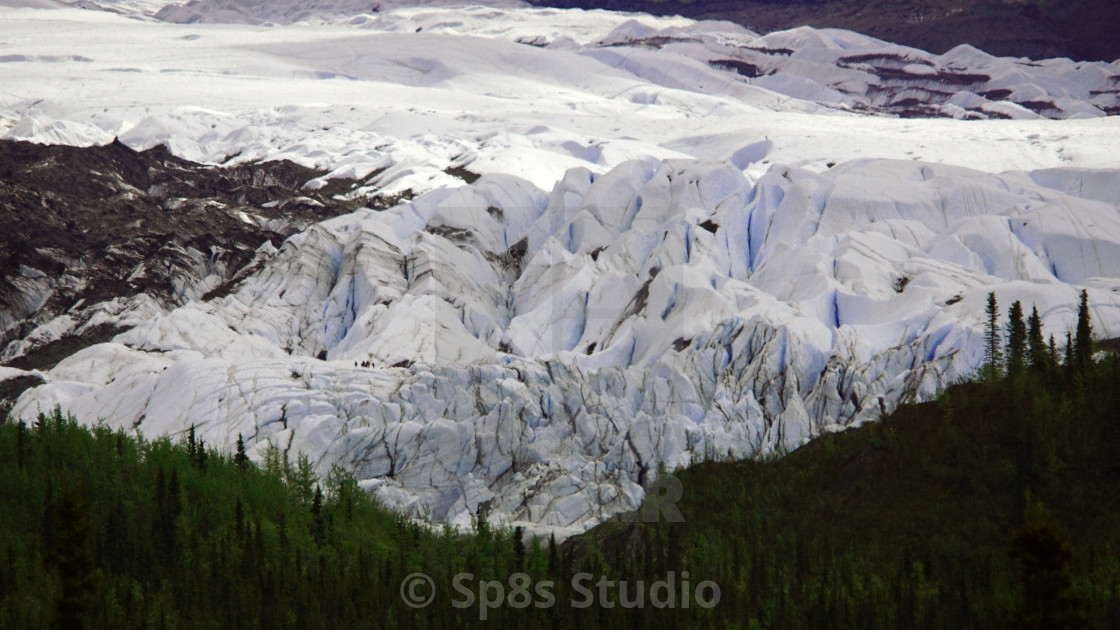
{"x":1039,"y":29}
{"x":80,"y":226}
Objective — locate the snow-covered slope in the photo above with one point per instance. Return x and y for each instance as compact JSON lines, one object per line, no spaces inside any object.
{"x":416,"y":90}
{"x":666,"y":259}
{"x":849,"y":70}
{"x":831,"y":66}
{"x":291,"y":12}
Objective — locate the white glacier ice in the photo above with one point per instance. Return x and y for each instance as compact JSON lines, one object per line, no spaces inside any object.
{"x":549,"y":353}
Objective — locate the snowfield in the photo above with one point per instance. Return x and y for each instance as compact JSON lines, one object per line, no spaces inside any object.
{"x":688,"y":241}
{"x":416,"y":90}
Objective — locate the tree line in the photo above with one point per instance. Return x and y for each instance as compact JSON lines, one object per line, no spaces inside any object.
{"x":1026,"y":347}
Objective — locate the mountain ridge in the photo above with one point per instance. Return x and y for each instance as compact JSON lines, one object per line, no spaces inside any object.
{"x":1079,"y":29}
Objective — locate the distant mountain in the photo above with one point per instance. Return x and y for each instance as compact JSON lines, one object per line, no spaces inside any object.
{"x":1039,"y":29}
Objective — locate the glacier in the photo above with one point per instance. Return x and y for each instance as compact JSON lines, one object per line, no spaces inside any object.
{"x":548,"y":353}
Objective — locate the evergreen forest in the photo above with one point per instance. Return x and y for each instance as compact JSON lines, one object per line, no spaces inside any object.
{"x":995,"y":505}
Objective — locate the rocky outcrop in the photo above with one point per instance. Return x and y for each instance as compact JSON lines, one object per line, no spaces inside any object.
{"x":107,"y":233}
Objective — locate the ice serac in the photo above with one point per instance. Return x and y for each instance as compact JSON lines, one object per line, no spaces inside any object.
{"x":545,"y":354}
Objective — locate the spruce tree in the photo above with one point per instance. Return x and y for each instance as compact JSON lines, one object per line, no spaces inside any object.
{"x":1016,"y":339}
{"x":21,"y":443}
{"x":317,"y":516}
{"x":518,"y":547}
{"x":1049,"y":599}
{"x":73,"y":559}
{"x":1083,"y":341}
{"x":282,"y":532}
{"x":239,"y":521}
{"x":553,"y":556}
{"x":169,"y":513}
{"x":241,"y":460}
{"x":200,"y":456}
{"x":993,"y":357}
{"x":1036,"y":345}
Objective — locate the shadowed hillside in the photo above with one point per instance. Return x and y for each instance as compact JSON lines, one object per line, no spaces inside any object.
{"x":1039,"y":29}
